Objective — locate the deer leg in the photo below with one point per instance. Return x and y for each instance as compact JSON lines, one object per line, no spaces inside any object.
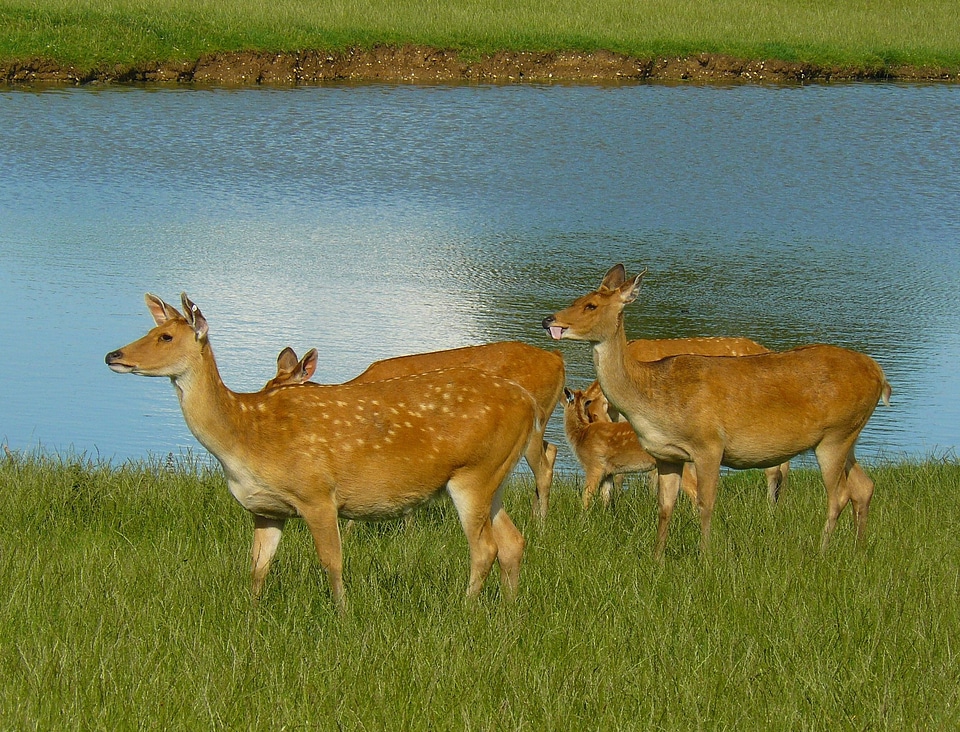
{"x":510,"y":544}
{"x":608,"y":489}
{"x":688,"y":482}
{"x":592,"y":481}
{"x":321,"y":519}
{"x":861,"y":491}
{"x":266,"y":539}
{"x":468,"y":495}
{"x":708,"y":479}
{"x":776,"y":477}
{"x":541,"y":456}
{"x":832,"y":459}
{"x":667,"y":490}
{"x":611,"y":489}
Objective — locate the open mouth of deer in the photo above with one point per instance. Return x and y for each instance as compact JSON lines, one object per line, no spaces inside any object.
{"x":556,"y":331}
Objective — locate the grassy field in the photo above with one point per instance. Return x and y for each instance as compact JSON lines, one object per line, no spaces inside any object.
{"x":879,"y":32}
{"x":126,"y":606}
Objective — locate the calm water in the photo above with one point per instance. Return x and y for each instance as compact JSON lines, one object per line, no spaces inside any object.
{"x":372,"y":221}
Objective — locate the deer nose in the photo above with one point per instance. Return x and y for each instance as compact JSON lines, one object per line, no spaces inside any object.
{"x":547,"y":322}
{"x":113,"y":356}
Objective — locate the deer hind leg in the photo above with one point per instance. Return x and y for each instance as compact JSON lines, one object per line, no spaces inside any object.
{"x":266,"y":539}
{"x":472,"y":498}
{"x":321,"y":519}
{"x":834,"y":461}
{"x":860,"y":487}
{"x":776,"y":477}
{"x":510,"y":545}
{"x":610,"y":486}
{"x":541,"y":456}
{"x":689,"y":484}
{"x":668,"y":488}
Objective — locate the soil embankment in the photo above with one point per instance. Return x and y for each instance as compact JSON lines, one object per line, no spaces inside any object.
{"x":428,"y":65}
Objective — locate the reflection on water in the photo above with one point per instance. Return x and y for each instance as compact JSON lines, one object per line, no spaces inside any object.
{"x":370,"y":221}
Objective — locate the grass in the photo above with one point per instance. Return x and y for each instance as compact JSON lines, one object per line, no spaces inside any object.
{"x":858,"y":33}
{"x":126,"y":606}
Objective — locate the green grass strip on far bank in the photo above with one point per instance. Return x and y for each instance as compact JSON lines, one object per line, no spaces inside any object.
{"x":860,"y":33}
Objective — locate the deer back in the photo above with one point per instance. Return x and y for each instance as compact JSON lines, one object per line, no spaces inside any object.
{"x":538,"y":371}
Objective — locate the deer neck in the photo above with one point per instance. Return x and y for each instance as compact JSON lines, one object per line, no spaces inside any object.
{"x":624,"y":381}
{"x":209,"y":408}
{"x":573,"y":426}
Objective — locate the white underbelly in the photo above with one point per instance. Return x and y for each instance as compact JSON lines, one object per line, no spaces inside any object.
{"x":256,"y":496}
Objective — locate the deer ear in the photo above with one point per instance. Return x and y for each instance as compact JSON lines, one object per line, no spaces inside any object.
{"x":194,"y":317}
{"x":160,"y":311}
{"x":568,"y":395}
{"x":286,"y":360}
{"x":308,"y":365}
{"x":614,"y":277}
{"x":630,"y":290}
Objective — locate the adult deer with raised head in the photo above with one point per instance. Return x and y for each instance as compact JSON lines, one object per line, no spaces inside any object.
{"x":742,"y":412}
{"x":643,"y":349}
{"x":538,"y":371}
{"x":608,"y":450}
{"x":364,"y":451}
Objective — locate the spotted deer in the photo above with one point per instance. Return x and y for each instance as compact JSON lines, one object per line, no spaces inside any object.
{"x":607,"y":450}
{"x":292,"y":371}
{"x":741,"y":412}
{"x":539,"y":372}
{"x":361,"y":451}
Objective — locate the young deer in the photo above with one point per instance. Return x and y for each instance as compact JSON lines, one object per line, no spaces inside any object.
{"x":291,"y":371}
{"x":742,"y":412}
{"x":539,"y":372}
{"x":365,"y":451}
{"x":607,"y":450}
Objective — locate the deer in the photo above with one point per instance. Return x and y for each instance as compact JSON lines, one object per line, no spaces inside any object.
{"x":607,"y":450}
{"x":292,"y":371}
{"x":647,"y":349}
{"x":364,"y":451}
{"x":538,"y":371}
{"x":599,"y":410}
{"x":740,"y":412}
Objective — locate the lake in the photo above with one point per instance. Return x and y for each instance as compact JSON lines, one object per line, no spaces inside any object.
{"x":375,"y":220}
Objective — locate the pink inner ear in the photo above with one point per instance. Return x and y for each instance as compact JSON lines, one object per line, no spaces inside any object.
{"x":556,"y":332}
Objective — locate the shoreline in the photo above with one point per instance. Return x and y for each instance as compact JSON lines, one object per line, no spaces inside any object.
{"x":420,"y":64}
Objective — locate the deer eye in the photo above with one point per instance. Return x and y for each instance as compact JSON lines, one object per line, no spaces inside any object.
{"x":166,"y":337}
{"x":589,"y":306}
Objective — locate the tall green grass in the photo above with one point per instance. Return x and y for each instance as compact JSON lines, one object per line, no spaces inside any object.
{"x":125,"y":605}
{"x":92,"y":32}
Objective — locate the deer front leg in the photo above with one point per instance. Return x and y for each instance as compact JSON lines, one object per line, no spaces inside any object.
{"x":592,"y":480}
{"x":708,"y":479}
{"x":321,"y":518}
{"x":266,"y":539}
{"x":668,"y":487}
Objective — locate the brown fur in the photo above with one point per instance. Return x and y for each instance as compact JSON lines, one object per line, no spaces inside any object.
{"x":607,"y":450}
{"x":741,"y":412}
{"x":539,"y":372}
{"x":656,"y":349}
{"x":362,"y":451}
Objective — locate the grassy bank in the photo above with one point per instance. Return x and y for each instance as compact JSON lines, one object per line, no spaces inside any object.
{"x":101,"y":32}
{"x":126,"y":606}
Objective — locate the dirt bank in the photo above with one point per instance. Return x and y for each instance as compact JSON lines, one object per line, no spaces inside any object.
{"x":425,"y":65}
